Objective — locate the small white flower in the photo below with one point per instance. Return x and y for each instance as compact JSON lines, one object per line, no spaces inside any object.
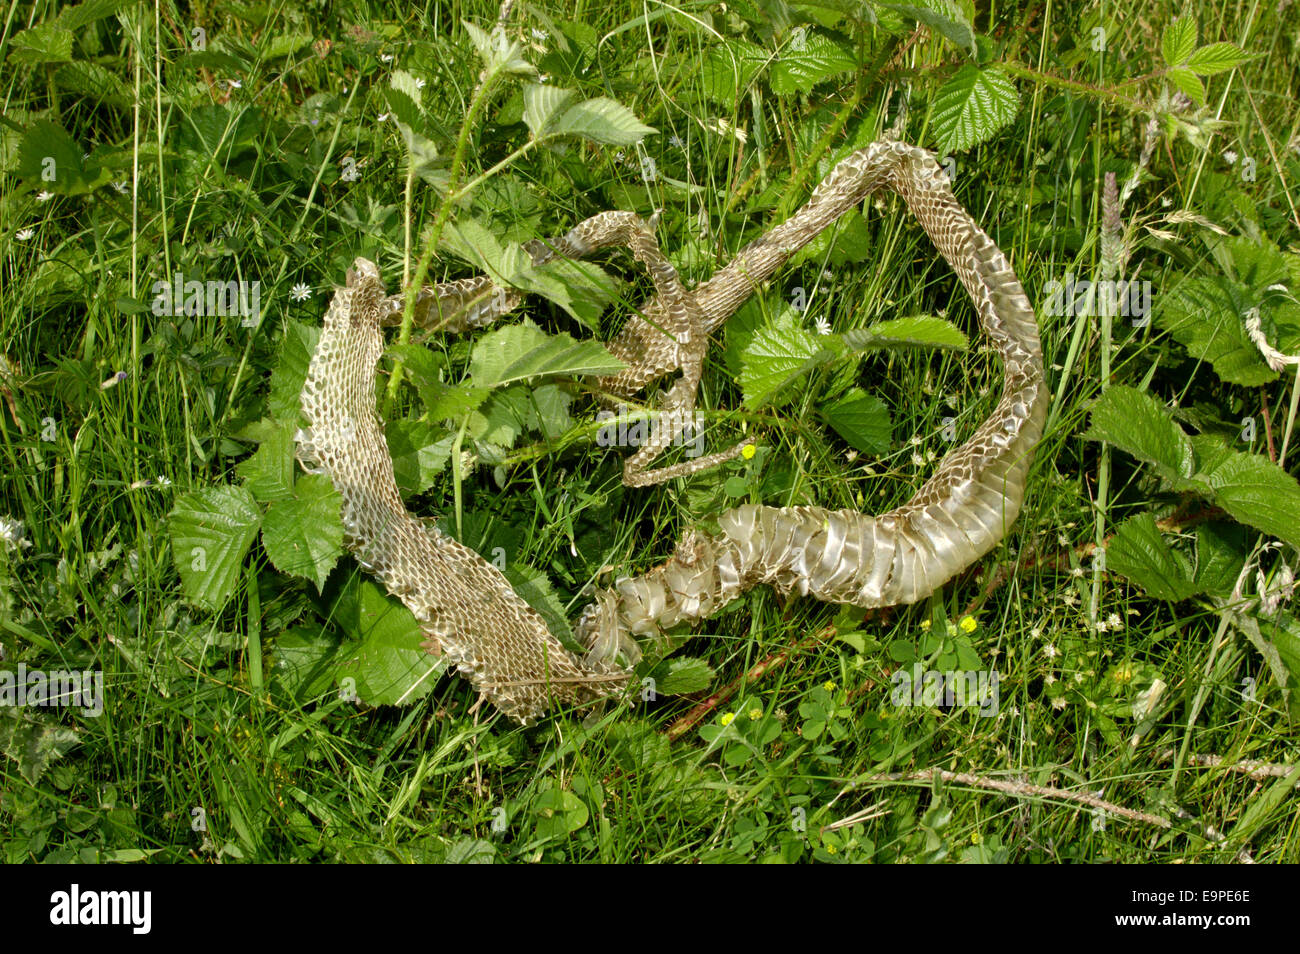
{"x":163,"y":481}
{"x":420,"y":84}
{"x":541,"y":36}
{"x":386,"y":57}
{"x":383,"y":117}
{"x":676,"y":141}
{"x":917,"y":460}
{"x":1050,"y":651}
{"x":234,"y":84}
{"x":1076,"y":571}
{"x":300,"y":292}
{"x":822,"y":326}
{"x":122,"y":187}
{"x":1059,"y":702}
{"x":44,"y":196}
{"x":1113,"y":621}
{"x":1229,"y":156}
{"x":23,"y":235}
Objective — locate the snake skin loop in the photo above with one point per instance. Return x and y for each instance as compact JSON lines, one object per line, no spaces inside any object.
{"x":469,"y":610}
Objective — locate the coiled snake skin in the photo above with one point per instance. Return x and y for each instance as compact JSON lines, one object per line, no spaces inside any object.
{"x":466,"y":606}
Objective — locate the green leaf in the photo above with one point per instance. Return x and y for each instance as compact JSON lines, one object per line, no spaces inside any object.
{"x":1178,"y":41}
{"x":296,"y":349}
{"x":1221,"y":550}
{"x":33,"y":741}
{"x":728,"y":68}
{"x":1257,"y":492}
{"x":820,"y":58}
{"x":862,"y":420}
{"x":604,"y":121}
{"x":946,"y":18}
{"x":52,"y":160}
{"x":269,"y":472}
{"x":1138,"y":424}
{"x":1188,"y":83}
{"x":285,"y":44}
{"x":211,"y":531}
{"x":303,"y":534}
{"x":520,"y":352}
{"x":84,"y":14}
{"x":681,"y":676}
{"x":1139,"y":552}
{"x":559,"y":813}
{"x":1216,"y":58}
{"x":919,"y":331}
{"x":973,"y":105}
{"x":419,"y":452}
{"x":542,"y":104}
{"x":305,"y":661}
{"x":43,"y":43}
{"x":1203,"y":315}
{"x":382,"y":660}
{"x":779,"y":353}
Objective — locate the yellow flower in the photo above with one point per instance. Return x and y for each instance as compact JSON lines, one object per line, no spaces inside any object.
{"x":829,"y":685}
{"x":756,"y":713}
{"x":831,"y":849}
{"x":728,"y":717}
{"x":748,"y":451}
{"x":925,"y":624}
{"x":968,"y":624}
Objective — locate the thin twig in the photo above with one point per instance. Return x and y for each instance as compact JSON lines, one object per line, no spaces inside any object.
{"x":1017,"y":789}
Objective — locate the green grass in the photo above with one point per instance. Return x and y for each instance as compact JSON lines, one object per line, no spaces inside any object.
{"x":217,"y":742}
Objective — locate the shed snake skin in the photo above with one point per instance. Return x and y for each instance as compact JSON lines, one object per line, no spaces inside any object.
{"x":468,"y":609}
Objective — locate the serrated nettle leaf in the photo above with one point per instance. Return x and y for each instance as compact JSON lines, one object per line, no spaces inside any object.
{"x":304,"y":661}
{"x":472,"y":241}
{"x":211,"y":531}
{"x":862,"y":420}
{"x":1138,"y":424}
{"x":499,"y":53}
{"x":43,"y":43}
{"x":1204,"y":315}
{"x":1139,"y":552}
{"x":602,"y":120}
{"x":296,"y":349}
{"x":419,"y":451}
{"x":1178,"y":41}
{"x":33,"y":741}
{"x":973,"y":105}
{"x":543,"y":104}
{"x":1216,"y":58}
{"x":918,"y":331}
{"x":303,"y":533}
{"x":519,"y":352}
{"x":728,"y":68}
{"x":268,"y":473}
{"x":1187,"y":83}
{"x":50,"y":159}
{"x":1221,"y":551}
{"x":800,"y":67}
{"x":382,"y":661}
{"x":681,"y":676}
{"x":408,"y":103}
{"x":779,"y":353}
{"x":946,"y":18}
{"x":1257,"y":492}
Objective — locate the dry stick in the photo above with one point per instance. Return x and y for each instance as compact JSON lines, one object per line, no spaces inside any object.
{"x":1259,"y":771}
{"x":1018,"y":789}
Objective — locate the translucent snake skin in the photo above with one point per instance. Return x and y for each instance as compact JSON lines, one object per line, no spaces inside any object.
{"x":466,"y":606}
